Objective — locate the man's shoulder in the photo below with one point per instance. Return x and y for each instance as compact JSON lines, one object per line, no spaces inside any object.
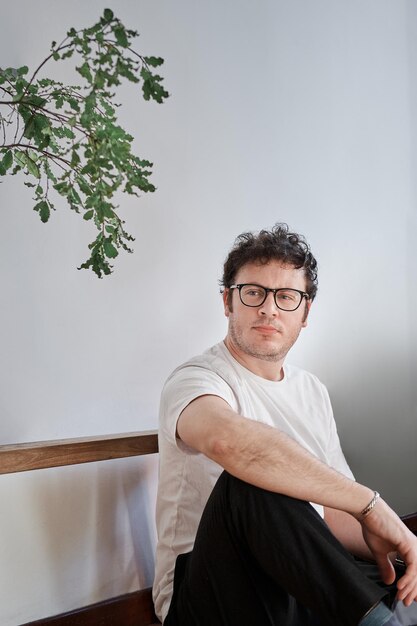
{"x":205,"y":374}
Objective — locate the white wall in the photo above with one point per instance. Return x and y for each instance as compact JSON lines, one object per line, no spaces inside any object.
{"x":292,"y":111}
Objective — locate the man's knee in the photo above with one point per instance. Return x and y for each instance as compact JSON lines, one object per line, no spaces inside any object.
{"x":237,"y":495}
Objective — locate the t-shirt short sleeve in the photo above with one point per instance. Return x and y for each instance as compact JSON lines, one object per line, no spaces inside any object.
{"x":183,"y":386}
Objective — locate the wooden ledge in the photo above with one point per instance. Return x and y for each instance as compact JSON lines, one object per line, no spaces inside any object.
{"x":131,"y":609}
{"x":23,"y":457}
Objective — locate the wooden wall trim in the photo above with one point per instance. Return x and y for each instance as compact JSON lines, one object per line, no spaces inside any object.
{"x":131,"y":609}
{"x":24,"y":457}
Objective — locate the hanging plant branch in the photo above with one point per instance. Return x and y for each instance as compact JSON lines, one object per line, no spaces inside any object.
{"x":66,"y":138}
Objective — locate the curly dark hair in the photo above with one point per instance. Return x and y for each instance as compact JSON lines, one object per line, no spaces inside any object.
{"x":278,"y":244}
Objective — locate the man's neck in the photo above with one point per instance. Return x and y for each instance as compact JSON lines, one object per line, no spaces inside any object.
{"x":270,"y":370}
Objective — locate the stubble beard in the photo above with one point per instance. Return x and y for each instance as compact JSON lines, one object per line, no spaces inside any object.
{"x":265,"y":354}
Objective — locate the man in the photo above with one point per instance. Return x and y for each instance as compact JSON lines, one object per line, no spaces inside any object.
{"x":278,"y":527}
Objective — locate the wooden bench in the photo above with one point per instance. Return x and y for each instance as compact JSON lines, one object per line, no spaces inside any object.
{"x":132,"y":609}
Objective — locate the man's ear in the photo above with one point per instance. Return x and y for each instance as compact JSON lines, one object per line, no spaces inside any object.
{"x":307,"y":312}
{"x":225,"y":295}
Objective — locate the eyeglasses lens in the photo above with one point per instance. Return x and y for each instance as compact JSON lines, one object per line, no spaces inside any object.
{"x":285,"y":299}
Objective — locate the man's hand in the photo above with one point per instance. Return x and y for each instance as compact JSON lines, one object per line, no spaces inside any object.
{"x":384,"y":533}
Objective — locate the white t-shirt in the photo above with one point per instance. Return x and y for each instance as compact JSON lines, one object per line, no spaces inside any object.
{"x":298,"y":405}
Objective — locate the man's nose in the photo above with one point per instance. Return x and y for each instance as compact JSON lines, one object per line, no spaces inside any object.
{"x":269,"y":307}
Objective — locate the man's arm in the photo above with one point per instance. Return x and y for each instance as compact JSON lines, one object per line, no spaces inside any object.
{"x":264,"y":456}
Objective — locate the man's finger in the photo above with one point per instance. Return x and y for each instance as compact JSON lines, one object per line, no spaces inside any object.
{"x":407,"y":587}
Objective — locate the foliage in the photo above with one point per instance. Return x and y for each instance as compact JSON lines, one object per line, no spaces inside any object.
{"x":67,"y":138}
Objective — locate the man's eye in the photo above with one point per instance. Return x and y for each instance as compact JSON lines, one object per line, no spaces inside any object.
{"x":253,"y":292}
{"x":287,"y":296}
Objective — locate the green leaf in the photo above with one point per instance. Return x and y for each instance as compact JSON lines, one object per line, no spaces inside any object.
{"x":32,"y":167}
{"x":88,"y":214}
{"x":97,"y":261}
{"x":99,"y":80}
{"x":151,"y":86}
{"x":85,"y":71}
{"x":75,"y":159}
{"x":67,"y":132}
{"x":108,"y":211}
{"x":108,"y":109}
{"x":121,"y":37}
{"x":153,"y":61}
{"x":22,"y":70}
{"x":108,"y":15}
{"x":36,"y":101}
{"x":62,"y":188}
{"x":43,"y":208}
{"x":73,"y":196}
{"x":33,"y":155}
{"x":48,"y":171}
{"x":89,"y":168}
{"x":73,"y":104}
{"x":35,"y":124}
{"x":7,"y":160}
{"x":110,"y":251}
{"x":83,"y":185}
{"x":29,"y":128}
{"x":20,"y":157}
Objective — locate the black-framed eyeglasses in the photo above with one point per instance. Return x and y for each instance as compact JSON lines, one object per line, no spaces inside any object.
{"x":255,"y":295}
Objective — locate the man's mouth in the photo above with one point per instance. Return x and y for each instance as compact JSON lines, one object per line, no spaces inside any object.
{"x":266,"y":329}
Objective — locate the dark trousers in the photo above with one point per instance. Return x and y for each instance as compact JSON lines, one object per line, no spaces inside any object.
{"x":264,"y":559}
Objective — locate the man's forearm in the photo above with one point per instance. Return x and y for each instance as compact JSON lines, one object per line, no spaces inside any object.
{"x":266,"y":457}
